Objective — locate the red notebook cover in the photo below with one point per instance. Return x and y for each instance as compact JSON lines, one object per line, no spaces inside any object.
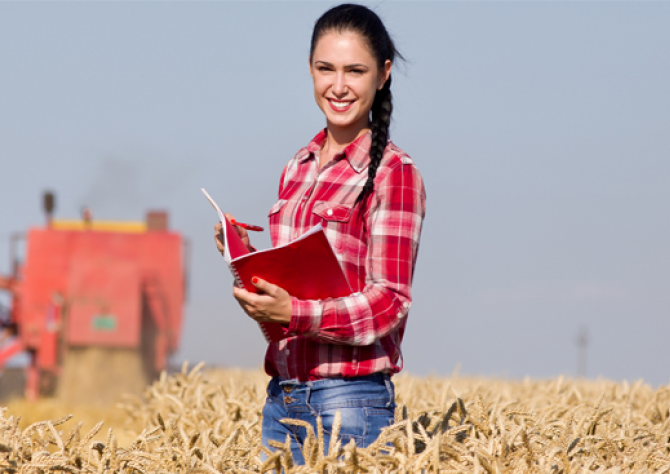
{"x":306,"y":268}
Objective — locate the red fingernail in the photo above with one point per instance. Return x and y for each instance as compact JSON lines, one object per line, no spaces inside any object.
{"x":233,"y":221}
{"x":254,"y":280}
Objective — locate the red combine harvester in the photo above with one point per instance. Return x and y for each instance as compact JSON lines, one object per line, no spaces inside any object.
{"x":97,"y":305}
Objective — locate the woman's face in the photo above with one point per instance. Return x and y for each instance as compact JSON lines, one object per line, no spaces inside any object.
{"x":346,"y":78}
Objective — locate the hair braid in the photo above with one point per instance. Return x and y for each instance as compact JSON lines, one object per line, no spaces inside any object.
{"x":382,"y":107}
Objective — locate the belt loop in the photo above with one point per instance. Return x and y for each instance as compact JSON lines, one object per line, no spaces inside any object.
{"x":389,"y":388}
{"x":307,"y":396}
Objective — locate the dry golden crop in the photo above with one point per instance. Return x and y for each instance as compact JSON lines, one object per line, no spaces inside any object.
{"x":209,"y":421}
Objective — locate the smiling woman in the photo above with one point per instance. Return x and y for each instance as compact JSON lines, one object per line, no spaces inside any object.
{"x":336,"y":361}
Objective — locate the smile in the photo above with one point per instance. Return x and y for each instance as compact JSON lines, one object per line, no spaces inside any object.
{"x":340,"y":106}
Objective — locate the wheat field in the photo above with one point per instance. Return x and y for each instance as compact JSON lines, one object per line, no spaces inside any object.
{"x":208,"y":421}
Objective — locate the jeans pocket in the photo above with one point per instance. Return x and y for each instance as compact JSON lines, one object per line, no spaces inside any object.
{"x":362,"y":424}
{"x":352,"y":424}
{"x":377,"y":419}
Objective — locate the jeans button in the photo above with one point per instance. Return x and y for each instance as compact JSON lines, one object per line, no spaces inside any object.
{"x":288,"y":388}
{"x":288,"y":399}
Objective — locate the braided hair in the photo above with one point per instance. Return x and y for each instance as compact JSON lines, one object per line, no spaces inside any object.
{"x":359,"y":19}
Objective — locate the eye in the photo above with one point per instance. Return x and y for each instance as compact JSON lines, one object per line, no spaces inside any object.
{"x":357,"y":72}
{"x":323,"y":68}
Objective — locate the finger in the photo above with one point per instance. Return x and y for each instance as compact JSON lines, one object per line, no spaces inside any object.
{"x":249,"y":310}
{"x":244,"y":296}
{"x":218,"y":236}
{"x":219,"y":243}
{"x":246,"y":308}
{"x":243,"y":299}
{"x":240,"y":294}
{"x":242,"y":232}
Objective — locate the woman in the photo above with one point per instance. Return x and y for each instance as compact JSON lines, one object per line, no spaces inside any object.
{"x":340,"y":353}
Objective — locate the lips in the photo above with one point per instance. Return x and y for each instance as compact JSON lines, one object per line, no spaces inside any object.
{"x":340,"y":106}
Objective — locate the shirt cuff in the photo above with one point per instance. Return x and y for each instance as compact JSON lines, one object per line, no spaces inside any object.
{"x":306,"y":317}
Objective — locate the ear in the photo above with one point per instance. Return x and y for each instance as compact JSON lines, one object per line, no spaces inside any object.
{"x":384,"y":74}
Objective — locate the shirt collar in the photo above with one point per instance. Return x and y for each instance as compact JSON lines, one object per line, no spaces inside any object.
{"x":357,"y":152}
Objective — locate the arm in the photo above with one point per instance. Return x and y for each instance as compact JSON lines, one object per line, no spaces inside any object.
{"x":394,"y":223}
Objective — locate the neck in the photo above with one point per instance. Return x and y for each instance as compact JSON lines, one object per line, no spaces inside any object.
{"x":339,"y":138}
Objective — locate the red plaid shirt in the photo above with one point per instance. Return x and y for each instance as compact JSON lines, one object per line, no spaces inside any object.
{"x":359,"y":334}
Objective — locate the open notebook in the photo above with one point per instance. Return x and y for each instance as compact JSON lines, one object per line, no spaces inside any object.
{"x":306,"y":267}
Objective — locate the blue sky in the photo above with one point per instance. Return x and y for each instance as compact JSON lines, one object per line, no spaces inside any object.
{"x":542,"y":130}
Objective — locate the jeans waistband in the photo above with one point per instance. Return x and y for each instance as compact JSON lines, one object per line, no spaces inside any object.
{"x":379,"y":377}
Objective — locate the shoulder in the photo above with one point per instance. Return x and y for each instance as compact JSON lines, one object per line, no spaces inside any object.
{"x":394,"y":155}
{"x":301,"y":155}
{"x":305,"y":152}
{"x":396,"y":161}
{"x":398,"y":183}
{"x":292,"y":169}
{"x":397,"y":173}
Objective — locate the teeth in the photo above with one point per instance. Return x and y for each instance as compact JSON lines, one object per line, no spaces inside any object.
{"x":340,"y":104}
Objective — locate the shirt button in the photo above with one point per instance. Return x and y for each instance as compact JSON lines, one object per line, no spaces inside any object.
{"x":288,"y":353}
{"x":329,"y":212}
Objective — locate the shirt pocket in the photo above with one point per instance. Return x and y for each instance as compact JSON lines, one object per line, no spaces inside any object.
{"x":335,"y":221}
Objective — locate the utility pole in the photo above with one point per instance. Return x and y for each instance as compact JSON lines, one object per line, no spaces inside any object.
{"x":582,"y":346}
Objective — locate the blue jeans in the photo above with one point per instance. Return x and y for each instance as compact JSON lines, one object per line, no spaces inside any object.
{"x":366,"y":405}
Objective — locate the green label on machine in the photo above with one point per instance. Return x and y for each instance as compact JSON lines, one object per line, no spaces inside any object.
{"x":104,"y":322}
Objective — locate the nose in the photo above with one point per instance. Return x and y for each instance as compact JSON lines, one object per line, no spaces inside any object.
{"x":340,"y":85}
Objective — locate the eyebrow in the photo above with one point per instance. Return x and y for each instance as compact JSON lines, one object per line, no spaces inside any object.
{"x":326,"y":63}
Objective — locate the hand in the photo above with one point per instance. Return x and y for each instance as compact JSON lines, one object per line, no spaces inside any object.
{"x":272,"y":305}
{"x":218,"y":234}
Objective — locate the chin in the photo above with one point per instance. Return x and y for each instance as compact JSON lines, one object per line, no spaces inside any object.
{"x":338,"y":122}
{"x":342,"y":121}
